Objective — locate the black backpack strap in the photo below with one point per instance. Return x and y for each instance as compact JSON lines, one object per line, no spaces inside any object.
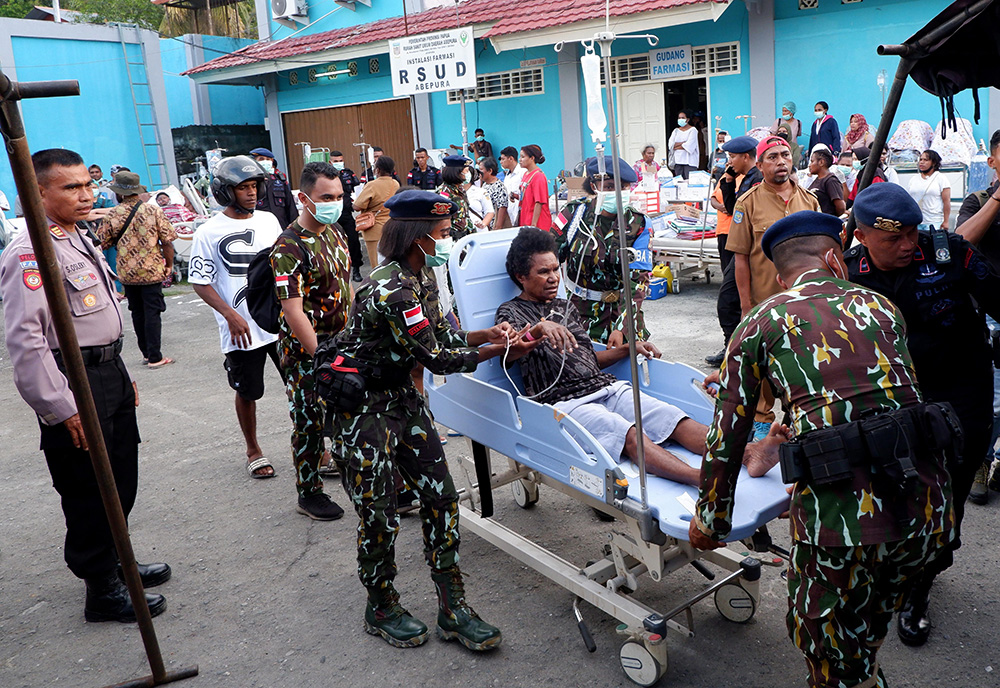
{"x":128,"y":221}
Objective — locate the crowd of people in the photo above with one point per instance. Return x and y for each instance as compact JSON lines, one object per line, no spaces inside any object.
{"x":872,"y":407}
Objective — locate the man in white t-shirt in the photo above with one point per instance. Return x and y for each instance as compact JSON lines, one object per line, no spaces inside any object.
{"x":220,"y":256}
{"x":513,"y":174}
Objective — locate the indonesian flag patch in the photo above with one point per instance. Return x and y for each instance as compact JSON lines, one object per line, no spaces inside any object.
{"x":281,"y":281}
{"x":414,"y":315}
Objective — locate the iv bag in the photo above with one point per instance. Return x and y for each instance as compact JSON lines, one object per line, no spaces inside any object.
{"x":590,"y":63}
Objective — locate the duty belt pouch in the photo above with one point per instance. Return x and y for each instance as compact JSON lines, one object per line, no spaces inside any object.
{"x":340,"y":382}
{"x":892,"y":452}
{"x":792,"y":461}
{"x":943,"y":428}
{"x":826,"y":454}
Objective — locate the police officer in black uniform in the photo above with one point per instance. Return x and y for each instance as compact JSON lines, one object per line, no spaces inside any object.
{"x":349,"y":181}
{"x":742,"y":161}
{"x":277,"y":198}
{"x":941,"y":284}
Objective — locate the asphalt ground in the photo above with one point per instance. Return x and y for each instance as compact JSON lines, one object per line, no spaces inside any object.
{"x":262,"y":596}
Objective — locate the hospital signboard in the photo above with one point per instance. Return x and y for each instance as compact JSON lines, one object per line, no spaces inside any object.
{"x":670,"y":63}
{"x":439,"y":61}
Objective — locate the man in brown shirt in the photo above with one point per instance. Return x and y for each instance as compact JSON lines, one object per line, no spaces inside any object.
{"x":143,"y":236}
{"x":755,"y":211}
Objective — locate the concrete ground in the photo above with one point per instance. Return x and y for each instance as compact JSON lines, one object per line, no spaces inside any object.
{"x":263,"y":597}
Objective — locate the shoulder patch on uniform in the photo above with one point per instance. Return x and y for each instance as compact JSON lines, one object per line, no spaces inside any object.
{"x":32,"y":279}
{"x":28,"y":261}
{"x":414,"y":315}
{"x":863,"y":265}
{"x":738,"y":216}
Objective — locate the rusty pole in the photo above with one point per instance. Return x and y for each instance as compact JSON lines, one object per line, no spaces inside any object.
{"x":12,"y":128}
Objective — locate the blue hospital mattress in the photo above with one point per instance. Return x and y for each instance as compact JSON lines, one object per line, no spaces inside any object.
{"x":485,"y":407}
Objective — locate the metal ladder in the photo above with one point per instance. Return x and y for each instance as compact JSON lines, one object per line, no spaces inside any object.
{"x":144,"y":110}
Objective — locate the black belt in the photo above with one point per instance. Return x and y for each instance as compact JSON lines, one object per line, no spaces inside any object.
{"x":94,"y":355}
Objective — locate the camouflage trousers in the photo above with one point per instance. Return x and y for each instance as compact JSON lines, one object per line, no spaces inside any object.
{"x":305,"y":407}
{"x":841,"y":601}
{"x":376,"y":443}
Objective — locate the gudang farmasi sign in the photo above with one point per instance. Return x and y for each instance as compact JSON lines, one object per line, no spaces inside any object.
{"x":670,"y":63}
{"x":440,"y":61}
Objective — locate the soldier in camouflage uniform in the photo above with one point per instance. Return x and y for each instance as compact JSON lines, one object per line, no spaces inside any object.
{"x":453,"y":180}
{"x":588,"y":245}
{"x":394,"y":324}
{"x":835,"y":353}
{"x":312,"y":277}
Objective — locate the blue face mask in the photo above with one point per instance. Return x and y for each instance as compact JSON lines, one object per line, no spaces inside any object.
{"x":681,"y":122}
{"x":338,"y":165}
{"x":610,"y":204}
{"x":480,"y":138}
{"x":327,"y":213}
{"x":856,"y":164}
{"x":442,"y":251}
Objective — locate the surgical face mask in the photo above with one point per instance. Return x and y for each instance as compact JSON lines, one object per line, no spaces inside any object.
{"x":442,"y":251}
{"x":681,"y":122}
{"x":786,"y":117}
{"x":468,"y":177}
{"x":844,"y":169}
{"x":819,"y":114}
{"x":609,"y":203}
{"x":267,"y":165}
{"x":856,"y":165}
{"x":337,"y":165}
{"x":327,"y":213}
{"x":480,"y":138}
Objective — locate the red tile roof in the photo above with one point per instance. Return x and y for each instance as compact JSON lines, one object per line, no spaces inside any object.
{"x":507,"y":16}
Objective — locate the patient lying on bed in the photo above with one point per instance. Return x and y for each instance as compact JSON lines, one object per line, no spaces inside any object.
{"x":566,"y":371}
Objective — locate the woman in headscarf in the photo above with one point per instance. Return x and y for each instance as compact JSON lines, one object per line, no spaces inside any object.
{"x":857,"y":134}
{"x":788,"y":118}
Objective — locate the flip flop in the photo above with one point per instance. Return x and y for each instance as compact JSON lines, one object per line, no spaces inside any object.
{"x":258,"y":464}
{"x":162,"y":362}
{"x":329,"y":468}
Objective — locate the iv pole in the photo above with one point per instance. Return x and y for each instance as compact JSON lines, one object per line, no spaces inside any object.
{"x":605,"y":39}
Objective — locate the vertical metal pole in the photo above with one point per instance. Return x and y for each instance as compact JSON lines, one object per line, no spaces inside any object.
{"x":630,"y":332}
{"x":465,"y":128}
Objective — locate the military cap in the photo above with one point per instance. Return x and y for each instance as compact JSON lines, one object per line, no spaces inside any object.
{"x":456,"y":161}
{"x":262,"y":151}
{"x":415,"y":204}
{"x":740,"y":144}
{"x":801,"y":224}
{"x":888,"y":207}
{"x":628,"y":174}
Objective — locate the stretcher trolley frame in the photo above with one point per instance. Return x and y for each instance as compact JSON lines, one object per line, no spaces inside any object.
{"x":692,"y":258}
{"x":546,"y":447}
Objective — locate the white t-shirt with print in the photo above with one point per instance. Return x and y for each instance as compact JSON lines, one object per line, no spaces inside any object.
{"x":221,"y":252}
{"x":927,"y":194}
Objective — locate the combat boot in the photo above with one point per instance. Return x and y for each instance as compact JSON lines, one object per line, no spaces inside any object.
{"x":108,"y":600}
{"x":980,"y":493}
{"x":385,"y":616}
{"x":456,"y":619}
{"x":914,"y":626}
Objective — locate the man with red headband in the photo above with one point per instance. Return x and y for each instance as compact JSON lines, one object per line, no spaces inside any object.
{"x":777,"y":196}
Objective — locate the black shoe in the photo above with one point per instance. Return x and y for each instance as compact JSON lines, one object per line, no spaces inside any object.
{"x":914,"y":626}
{"x":319,"y":507}
{"x":108,"y":600}
{"x":716,"y":359}
{"x":151,"y":575}
{"x":356,"y":276}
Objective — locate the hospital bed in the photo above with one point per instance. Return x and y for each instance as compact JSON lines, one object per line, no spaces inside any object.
{"x":546,"y":447}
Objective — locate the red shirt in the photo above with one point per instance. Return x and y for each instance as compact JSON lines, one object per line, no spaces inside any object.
{"x":535,"y":189}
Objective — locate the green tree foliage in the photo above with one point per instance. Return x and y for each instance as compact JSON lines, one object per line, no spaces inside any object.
{"x":141,"y":12}
{"x":18,"y":8}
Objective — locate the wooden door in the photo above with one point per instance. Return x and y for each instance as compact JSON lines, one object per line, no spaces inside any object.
{"x":387,"y":124}
{"x":642,"y":120}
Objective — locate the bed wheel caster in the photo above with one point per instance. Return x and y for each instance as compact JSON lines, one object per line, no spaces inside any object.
{"x":525,"y":493}
{"x":638,"y":662}
{"x":735,"y":604}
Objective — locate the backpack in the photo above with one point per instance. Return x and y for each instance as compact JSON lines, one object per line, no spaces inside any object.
{"x":262,"y":298}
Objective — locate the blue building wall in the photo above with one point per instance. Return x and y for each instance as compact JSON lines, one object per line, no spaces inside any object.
{"x":331,"y":92}
{"x":340,"y":18}
{"x":531,"y":119}
{"x":227,"y":104}
{"x":99,"y":124}
{"x":829,"y":54}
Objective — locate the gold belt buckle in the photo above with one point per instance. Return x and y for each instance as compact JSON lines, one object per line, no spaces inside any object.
{"x":610,"y":296}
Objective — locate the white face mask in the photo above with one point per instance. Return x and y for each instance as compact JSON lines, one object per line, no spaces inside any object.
{"x":819,"y":114}
{"x":267,"y":165}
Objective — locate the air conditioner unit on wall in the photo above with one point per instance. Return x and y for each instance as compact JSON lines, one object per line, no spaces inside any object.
{"x":288,"y":12}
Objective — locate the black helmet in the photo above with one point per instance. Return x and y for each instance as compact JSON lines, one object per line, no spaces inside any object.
{"x":230,"y":172}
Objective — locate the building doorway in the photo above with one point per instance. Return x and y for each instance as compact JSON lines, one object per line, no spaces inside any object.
{"x":648,"y":114}
{"x":690,"y":95}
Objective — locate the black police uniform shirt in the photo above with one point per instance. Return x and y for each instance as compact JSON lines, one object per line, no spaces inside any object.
{"x":277,"y":199}
{"x":946,"y":332}
{"x":428,"y":180}
{"x":730,"y":194}
{"x":989,"y":246}
{"x":349,"y":181}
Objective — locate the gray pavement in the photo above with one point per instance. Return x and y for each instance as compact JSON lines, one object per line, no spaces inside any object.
{"x":262,"y":596}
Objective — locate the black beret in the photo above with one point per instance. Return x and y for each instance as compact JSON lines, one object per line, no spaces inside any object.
{"x":888,"y":207}
{"x":625,"y":170}
{"x":414,"y":204}
{"x":740,"y":144}
{"x":800,"y":224}
{"x":455,"y":161}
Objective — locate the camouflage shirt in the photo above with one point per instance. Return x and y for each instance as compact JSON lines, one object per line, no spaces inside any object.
{"x":396,"y":322}
{"x":596,"y":265}
{"x":833,"y":351}
{"x":461,"y":225}
{"x":321,"y":280}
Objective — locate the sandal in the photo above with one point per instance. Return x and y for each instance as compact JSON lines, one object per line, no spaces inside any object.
{"x":162,"y":362}
{"x":327,"y":467}
{"x":257,"y":465}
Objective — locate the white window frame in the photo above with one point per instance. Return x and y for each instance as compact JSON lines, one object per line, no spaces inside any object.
{"x":635,"y":62}
{"x":527,"y":73}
